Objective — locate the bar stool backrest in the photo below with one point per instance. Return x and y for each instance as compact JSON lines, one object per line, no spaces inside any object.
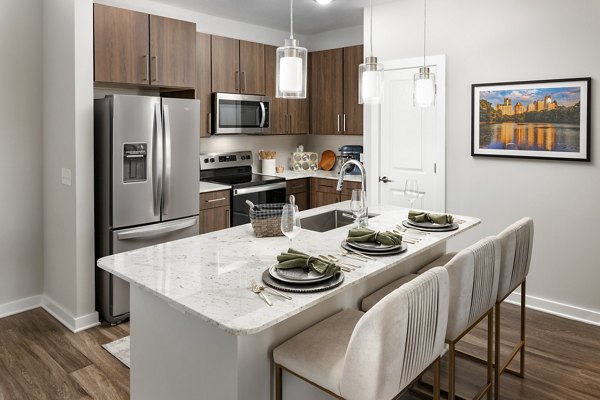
{"x":397,"y":339}
{"x":516,"y":244}
{"x":474,"y":274}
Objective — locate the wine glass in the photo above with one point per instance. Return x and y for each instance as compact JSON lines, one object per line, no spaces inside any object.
{"x":357,"y":204}
{"x":411,"y":191}
{"x":290,"y":221}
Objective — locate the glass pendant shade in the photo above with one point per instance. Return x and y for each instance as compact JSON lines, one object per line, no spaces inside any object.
{"x":424,"y":88}
{"x":370,"y":82}
{"x":291,"y":71}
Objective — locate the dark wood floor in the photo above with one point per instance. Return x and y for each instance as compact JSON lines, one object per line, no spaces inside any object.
{"x":40,"y":359}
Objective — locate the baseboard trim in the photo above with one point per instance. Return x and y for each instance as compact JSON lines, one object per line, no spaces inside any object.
{"x":558,"y":309}
{"x":19,"y":306}
{"x":74,"y":324}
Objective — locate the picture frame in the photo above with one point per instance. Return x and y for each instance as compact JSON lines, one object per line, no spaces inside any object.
{"x":543,"y":119}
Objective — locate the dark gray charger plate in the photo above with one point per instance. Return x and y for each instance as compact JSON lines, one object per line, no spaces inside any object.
{"x":452,"y":227}
{"x":335,"y":281}
{"x":376,"y":253}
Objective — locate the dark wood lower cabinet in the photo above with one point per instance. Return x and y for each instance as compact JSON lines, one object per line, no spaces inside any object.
{"x":215,"y":211}
{"x":300,"y":188}
{"x":324,"y":191}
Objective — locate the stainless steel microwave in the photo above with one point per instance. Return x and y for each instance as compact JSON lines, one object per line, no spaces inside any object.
{"x":240,"y":113}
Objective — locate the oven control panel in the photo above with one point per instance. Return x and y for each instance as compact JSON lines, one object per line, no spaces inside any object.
{"x":225,"y":160}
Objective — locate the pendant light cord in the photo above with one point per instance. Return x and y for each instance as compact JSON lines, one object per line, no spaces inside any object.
{"x":371,"y":26}
{"x":424,"y":30}
{"x":291,"y":19}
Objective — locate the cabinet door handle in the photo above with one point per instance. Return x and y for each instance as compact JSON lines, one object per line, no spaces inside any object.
{"x":338,"y":122}
{"x":209,"y":123}
{"x":298,"y":187}
{"x":215,"y":200}
{"x":228,"y":214}
{"x":291,"y":130}
{"x":344,"y":122}
{"x":243,"y":81}
{"x":147,"y":69}
{"x":155,"y":58}
{"x":237,"y":80}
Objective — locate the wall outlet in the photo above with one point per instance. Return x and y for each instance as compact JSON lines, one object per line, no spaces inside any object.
{"x":66,"y":176}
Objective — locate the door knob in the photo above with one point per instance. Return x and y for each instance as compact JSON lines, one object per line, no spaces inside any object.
{"x":384,"y":179}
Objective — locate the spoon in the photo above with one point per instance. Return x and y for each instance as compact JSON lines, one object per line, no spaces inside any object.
{"x":259,"y":292}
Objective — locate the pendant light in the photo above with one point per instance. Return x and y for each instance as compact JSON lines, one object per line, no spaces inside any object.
{"x":291,"y":66}
{"x":424,"y":81}
{"x":370,"y":74}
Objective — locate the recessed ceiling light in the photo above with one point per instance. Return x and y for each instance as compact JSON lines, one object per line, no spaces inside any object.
{"x":323,"y":2}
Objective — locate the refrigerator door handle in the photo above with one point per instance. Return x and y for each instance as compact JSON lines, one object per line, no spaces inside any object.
{"x":144,"y":232}
{"x":167,"y":179}
{"x":158,"y":160}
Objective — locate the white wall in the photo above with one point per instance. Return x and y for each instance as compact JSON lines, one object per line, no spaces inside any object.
{"x":350,"y":36}
{"x":517,"y":40}
{"x":21,"y":268}
{"x":68,"y":143}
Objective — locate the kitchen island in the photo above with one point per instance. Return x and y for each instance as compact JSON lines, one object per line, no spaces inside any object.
{"x":199,"y":332}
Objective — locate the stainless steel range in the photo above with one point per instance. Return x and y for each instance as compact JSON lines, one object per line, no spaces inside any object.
{"x":235,"y":169}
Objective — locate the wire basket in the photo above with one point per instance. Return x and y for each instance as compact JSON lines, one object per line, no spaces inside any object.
{"x":266,"y":219}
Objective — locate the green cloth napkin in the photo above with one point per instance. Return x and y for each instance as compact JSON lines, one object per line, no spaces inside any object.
{"x":296,"y":259}
{"x":422,"y":216}
{"x":363,"y":235}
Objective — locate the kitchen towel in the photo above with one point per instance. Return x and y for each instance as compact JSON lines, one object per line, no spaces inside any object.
{"x":422,"y":216}
{"x":296,"y":259}
{"x":362,"y":235}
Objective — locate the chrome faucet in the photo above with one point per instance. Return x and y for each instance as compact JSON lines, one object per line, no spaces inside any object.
{"x":364,"y":219}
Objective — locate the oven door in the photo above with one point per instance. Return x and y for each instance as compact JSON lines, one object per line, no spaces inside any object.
{"x":264,"y":194}
{"x":239,"y":113}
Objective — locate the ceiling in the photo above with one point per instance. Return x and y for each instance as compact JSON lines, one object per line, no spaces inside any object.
{"x":309,"y":17}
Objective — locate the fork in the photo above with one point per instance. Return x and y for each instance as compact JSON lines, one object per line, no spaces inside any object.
{"x":336,"y":259}
{"x":343,"y":267}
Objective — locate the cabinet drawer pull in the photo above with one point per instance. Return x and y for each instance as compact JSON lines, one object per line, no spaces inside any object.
{"x":344,"y":122}
{"x":237,"y":80}
{"x":297,"y":187}
{"x":215,"y":200}
{"x":338,"y":122}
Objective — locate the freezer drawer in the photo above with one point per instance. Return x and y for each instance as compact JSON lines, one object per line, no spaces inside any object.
{"x":113,"y":293}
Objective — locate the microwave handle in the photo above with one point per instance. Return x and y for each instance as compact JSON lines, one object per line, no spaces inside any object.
{"x":264,"y":114}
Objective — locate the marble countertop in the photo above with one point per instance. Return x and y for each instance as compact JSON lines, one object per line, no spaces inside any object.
{"x":206,"y":187}
{"x":209,"y":275}
{"x":290,"y":175}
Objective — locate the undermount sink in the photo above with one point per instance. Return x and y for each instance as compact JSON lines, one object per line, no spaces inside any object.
{"x":329,"y":220}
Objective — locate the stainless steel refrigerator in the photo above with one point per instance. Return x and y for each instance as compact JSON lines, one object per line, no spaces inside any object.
{"x":146,"y":182}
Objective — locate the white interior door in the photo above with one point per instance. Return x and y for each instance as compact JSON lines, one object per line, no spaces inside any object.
{"x":411,"y":143}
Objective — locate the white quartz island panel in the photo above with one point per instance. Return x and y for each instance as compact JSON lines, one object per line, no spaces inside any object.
{"x":196,"y":328}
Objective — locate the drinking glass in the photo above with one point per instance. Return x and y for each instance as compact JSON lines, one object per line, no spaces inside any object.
{"x":357,"y":204}
{"x":411,"y":191}
{"x":290,"y":221}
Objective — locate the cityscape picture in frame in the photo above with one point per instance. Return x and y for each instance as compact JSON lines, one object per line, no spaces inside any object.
{"x":547,"y":119}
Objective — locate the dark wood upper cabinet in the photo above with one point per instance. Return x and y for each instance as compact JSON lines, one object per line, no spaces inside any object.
{"x":203,"y":81}
{"x":172,"y":52}
{"x":139,"y":49}
{"x":278,"y":116}
{"x":252,"y":67}
{"x":352,"y":123}
{"x":238,"y":66}
{"x":334,"y":107}
{"x":121,"y":49}
{"x":326,"y":91}
{"x":287,"y":116}
{"x":225,"y":64}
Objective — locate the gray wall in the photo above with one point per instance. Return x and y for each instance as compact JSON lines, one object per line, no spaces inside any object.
{"x":511,"y":41}
{"x":21,"y":269}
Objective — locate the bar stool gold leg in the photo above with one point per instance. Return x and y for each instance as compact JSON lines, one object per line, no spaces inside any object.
{"x":522,"y":351}
{"x":497,"y":351}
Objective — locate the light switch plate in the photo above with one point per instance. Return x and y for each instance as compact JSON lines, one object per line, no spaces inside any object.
{"x":66,"y":176}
